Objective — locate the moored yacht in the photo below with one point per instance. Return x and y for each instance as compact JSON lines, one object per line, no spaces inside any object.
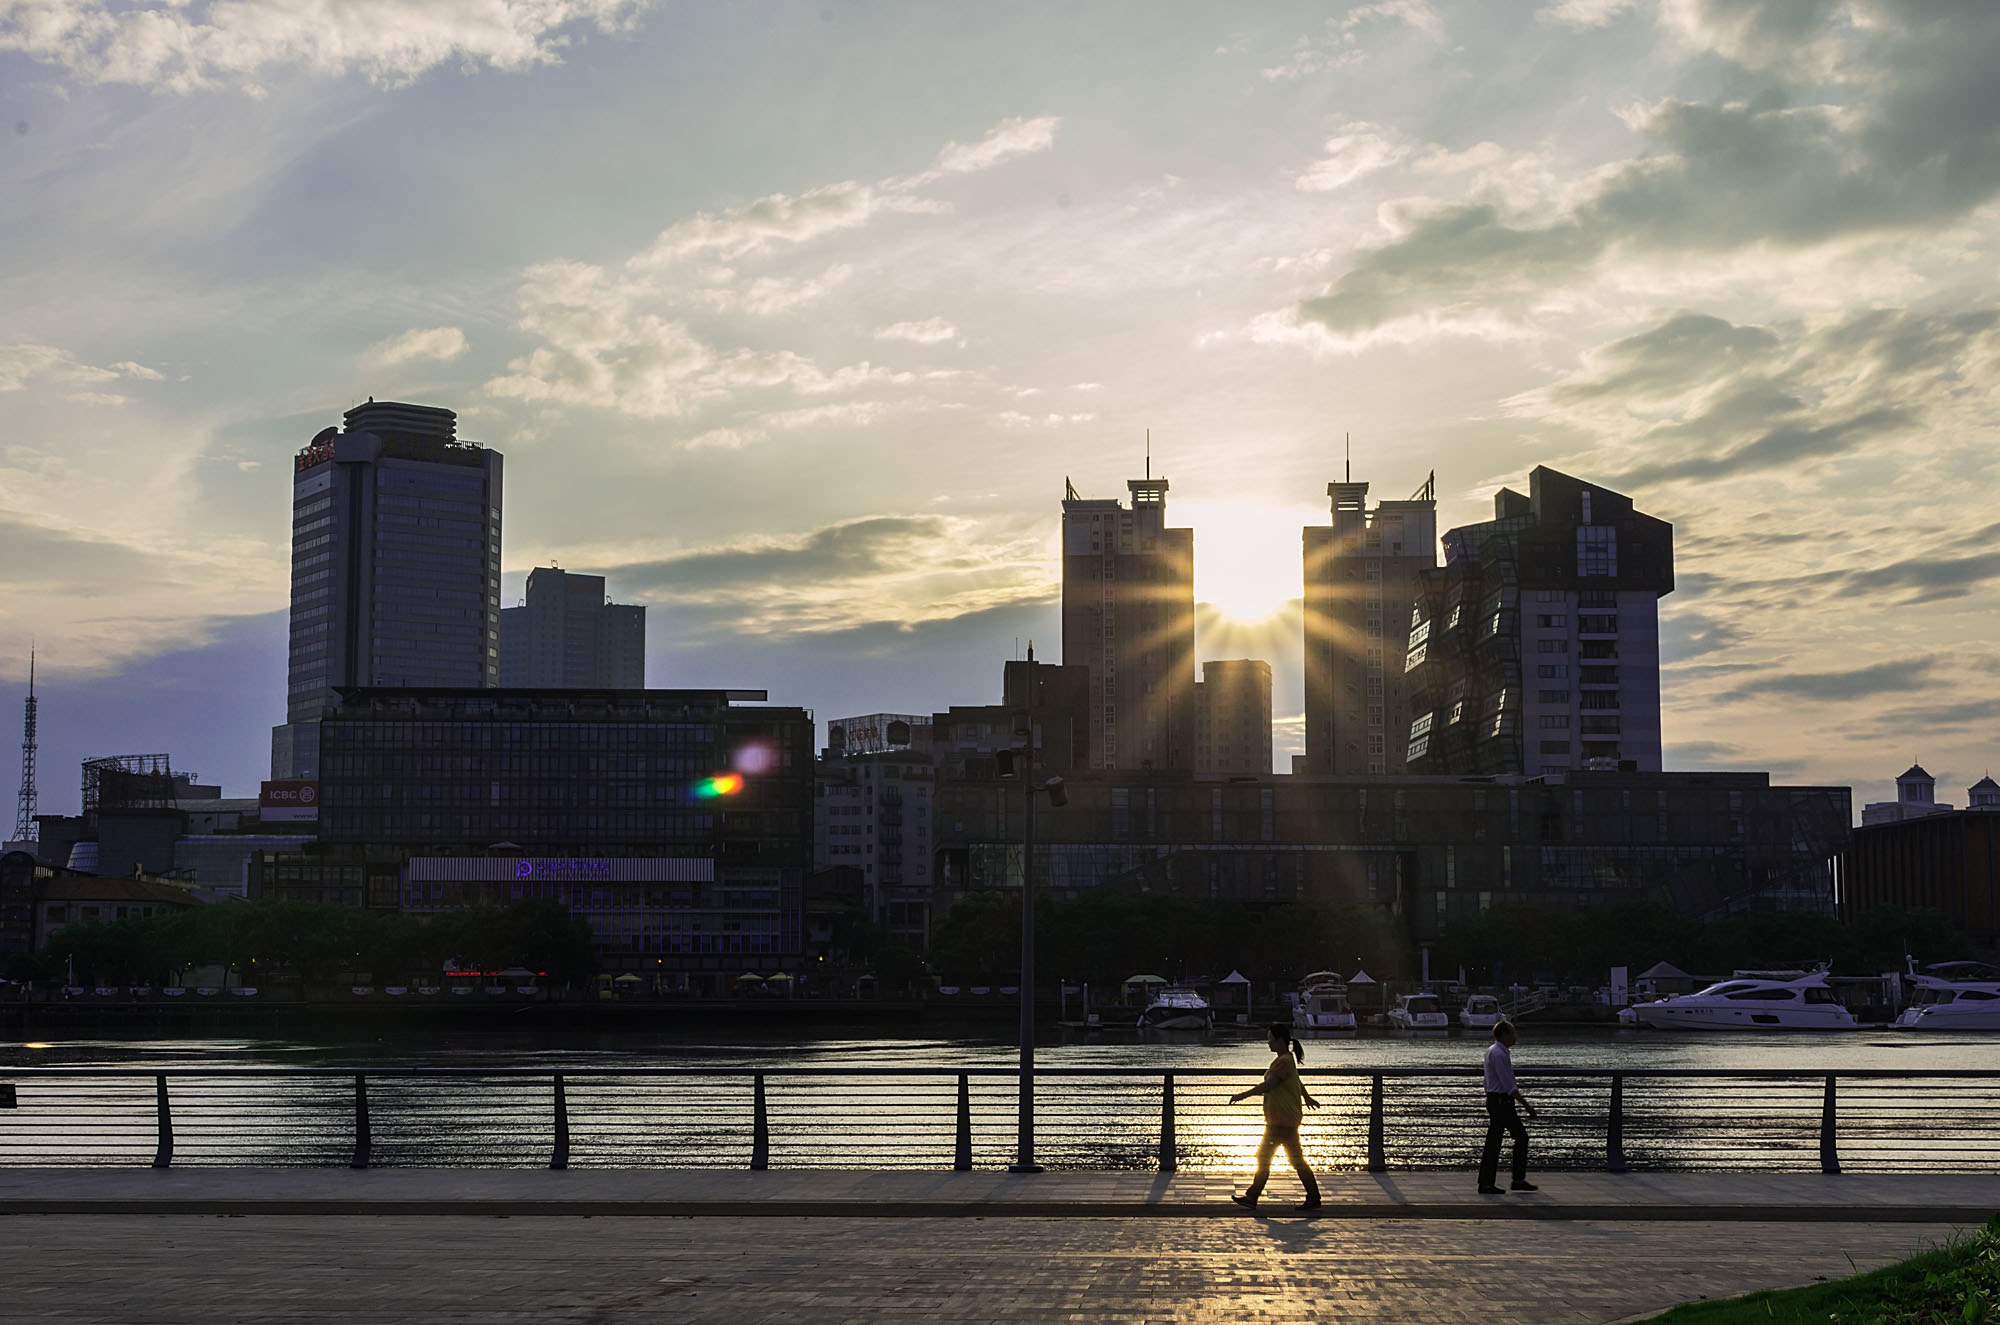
{"x":1323,"y":1006}
{"x":1481,"y":1012}
{"x":1752,"y":1001}
{"x":1177,"y":1009}
{"x":1954,"y":996}
{"x":1419,"y":1012}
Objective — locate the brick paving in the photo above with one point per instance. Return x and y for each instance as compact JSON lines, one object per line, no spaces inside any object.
{"x":439,"y":1270}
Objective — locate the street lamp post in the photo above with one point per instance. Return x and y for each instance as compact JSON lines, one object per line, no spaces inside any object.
{"x":1021,"y":763}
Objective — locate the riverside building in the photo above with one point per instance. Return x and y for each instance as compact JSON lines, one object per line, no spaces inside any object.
{"x":567,"y":634}
{"x":395,"y":566}
{"x":1362,"y":574}
{"x":1428,"y":849}
{"x":677,"y":823}
{"x":1233,"y":717}
{"x":1128,"y":616}
{"x":1535,"y":649}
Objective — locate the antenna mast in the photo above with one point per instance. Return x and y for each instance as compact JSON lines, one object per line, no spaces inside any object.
{"x":1149,"y":455}
{"x":1350,"y":457}
{"x":24,"y":814}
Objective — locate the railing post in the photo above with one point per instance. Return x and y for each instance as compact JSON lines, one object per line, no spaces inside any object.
{"x":760,"y":1131}
{"x":361,"y":1135}
{"x":962,"y":1161}
{"x":560,"y":1159}
{"x":163,"y":1156}
{"x":1829,"y":1151}
{"x":1614,"y":1137}
{"x":1377,"y":1162}
{"x":1169,"y":1151}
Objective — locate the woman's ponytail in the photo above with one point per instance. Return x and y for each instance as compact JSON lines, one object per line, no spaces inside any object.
{"x":1298,"y":1051}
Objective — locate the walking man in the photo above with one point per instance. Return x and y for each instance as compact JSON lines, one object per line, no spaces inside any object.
{"x":1501,"y":1097}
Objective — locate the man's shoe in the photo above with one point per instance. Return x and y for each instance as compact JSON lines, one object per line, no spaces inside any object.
{"x":1247,"y":1202}
{"x":1523,"y":1186}
{"x":1311,"y":1203}
{"x":1490,"y":1191}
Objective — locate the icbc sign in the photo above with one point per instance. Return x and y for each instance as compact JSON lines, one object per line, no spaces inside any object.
{"x":289,"y":802}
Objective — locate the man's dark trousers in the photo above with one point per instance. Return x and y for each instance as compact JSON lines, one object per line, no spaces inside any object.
{"x":1502,"y":1116}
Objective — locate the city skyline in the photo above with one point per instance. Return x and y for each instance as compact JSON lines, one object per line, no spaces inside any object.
{"x":810,"y":395}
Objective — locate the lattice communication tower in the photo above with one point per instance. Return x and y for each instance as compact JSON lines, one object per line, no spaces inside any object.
{"x":24,"y":812}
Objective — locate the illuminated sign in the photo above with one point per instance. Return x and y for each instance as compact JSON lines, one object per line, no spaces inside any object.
{"x":562,"y":869}
{"x":294,"y":801}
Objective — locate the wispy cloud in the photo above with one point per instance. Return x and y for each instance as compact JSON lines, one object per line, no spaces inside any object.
{"x":930,"y":331}
{"x":440,"y":343}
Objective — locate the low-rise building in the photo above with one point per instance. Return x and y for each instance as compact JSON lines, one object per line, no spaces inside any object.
{"x":1929,"y":855}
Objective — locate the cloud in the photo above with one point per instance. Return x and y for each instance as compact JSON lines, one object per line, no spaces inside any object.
{"x":1904,"y":140}
{"x":893,"y":569}
{"x":441,"y":343}
{"x":24,"y":364}
{"x":778,"y":218}
{"x":1008,"y":139}
{"x":1359,"y":150}
{"x":1584,"y":13}
{"x":723,"y":439}
{"x":1854,"y":683}
{"x":1697,"y":398}
{"x":1340,"y":45}
{"x":930,"y":331}
{"x":1926,"y":579}
{"x":187,"y":45}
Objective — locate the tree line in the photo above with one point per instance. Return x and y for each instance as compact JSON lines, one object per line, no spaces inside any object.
{"x":314,"y":942}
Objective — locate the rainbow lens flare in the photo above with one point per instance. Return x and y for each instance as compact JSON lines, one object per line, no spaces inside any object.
{"x":722,"y":784}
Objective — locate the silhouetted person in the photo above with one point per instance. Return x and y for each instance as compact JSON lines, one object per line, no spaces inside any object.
{"x":1501,"y":1097}
{"x":1285,"y":1103}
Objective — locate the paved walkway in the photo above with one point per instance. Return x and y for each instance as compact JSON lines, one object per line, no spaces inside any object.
{"x":612,"y":1247}
{"x":1791,"y":1197}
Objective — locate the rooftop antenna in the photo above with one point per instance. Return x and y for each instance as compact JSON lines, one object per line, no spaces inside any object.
{"x":1149,"y":455}
{"x":24,"y":815}
{"x":1350,"y":457}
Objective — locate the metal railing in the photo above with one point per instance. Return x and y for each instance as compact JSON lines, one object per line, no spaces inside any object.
{"x":1657,"y":1119}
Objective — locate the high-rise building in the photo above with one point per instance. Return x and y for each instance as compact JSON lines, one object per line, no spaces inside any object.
{"x":1233,"y":717}
{"x":878,"y":733}
{"x":567,"y":635}
{"x":395,"y":566}
{"x":1535,"y":649}
{"x":1128,"y":615}
{"x":1361,"y":576}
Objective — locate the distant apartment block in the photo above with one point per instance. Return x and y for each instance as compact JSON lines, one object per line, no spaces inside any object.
{"x":567,"y":635}
{"x":395,"y":566}
{"x":1535,"y":649}
{"x":1233,"y":717}
{"x":1361,"y":577}
{"x":873,"y":813}
{"x":1128,"y":616}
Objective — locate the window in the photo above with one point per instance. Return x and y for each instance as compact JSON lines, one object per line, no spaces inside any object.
{"x":1551,"y":646}
{"x":1764,"y":995}
{"x":1596,"y":550}
{"x":1557,"y":697}
{"x":1553,"y":671}
{"x":1550,"y":620}
{"x":1553,"y":722}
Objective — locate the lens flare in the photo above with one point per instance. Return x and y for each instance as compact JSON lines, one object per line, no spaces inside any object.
{"x":722,"y":784}
{"x":755,"y":758}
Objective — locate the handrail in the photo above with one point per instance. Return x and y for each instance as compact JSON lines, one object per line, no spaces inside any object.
{"x":573,"y":1071}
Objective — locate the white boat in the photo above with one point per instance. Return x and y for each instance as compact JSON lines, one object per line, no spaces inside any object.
{"x":1481,"y":1012}
{"x":1323,"y":1008}
{"x":1752,"y":1001}
{"x":1177,"y":1009}
{"x":1418,"y":1012}
{"x":1954,"y":996}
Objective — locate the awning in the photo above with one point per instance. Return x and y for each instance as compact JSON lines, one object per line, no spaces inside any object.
{"x":1235,"y":977}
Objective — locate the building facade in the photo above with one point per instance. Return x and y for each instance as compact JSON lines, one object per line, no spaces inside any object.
{"x":876,"y":733}
{"x":1536,"y":647}
{"x":874,"y":815}
{"x":1128,"y":616}
{"x":1362,"y":574}
{"x":395,"y":566}
{"x":1233,"y":717}
{"x":1428,"y":848}
{"x":1916,"y":797}
{"x":710,"y":791}
{"x":1914,"y":852}
{"x":567,"y":635}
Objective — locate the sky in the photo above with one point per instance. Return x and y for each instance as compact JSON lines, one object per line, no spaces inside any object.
{"x":792,"y":319}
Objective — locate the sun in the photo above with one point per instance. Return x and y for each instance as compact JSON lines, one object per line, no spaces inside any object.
{"x":1246,"y":557}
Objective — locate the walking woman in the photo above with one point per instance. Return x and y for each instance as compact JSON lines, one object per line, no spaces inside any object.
{"x":1285,"y":1103}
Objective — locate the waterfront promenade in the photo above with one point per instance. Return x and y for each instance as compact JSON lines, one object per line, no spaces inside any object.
{"x":614,"y":1246}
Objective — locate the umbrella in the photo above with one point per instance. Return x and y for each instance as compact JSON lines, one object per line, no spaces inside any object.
{"x":779,"y":976}
{"x":1362,"y":978}
{"x":749,"y":977}
{"x":1145,"y":979}
{"x":626,"y":979}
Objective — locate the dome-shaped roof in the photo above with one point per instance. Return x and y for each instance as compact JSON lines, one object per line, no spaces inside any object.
{"x":1914,"y":771}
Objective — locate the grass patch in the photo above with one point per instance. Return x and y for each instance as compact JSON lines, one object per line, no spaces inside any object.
{"x":1956,"y":1284}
